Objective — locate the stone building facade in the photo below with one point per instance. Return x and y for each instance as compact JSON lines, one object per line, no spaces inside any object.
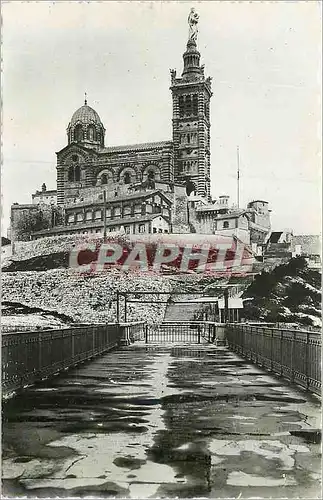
{"x":45,"y":196}
{"x":86,"y":162}
{"x":251,"y":225}
{"x":157,"y":186}
{"x":191,"y":95}
{"x":88,"y":171}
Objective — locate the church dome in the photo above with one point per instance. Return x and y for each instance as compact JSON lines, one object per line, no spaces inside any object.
{"x":86,"y":127}
{"x":86,"y":115}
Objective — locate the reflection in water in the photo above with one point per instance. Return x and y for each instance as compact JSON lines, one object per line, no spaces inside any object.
{"x":160,"y":421}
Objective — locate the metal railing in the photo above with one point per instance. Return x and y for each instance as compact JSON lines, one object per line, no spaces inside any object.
{"x":14,"y":328}
{"x":179,"y":331}
{"x":293,"y":354}
{"x":133,"y":331}
{"x":28,"y":357}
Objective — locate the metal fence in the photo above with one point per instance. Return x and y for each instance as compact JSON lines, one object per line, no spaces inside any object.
{"x":133,"y":331}
{"x":193,"y":332}
{"x":295,"y":355}
{"x":28,"y":357}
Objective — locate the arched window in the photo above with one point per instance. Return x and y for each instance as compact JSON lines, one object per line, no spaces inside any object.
{"x":78,"y":133}
{"x":127,"y":178}
{"x":188,"y":138}
{"x":225,"y":224}
{"x":190,"y":188}
{"x":71,"y":174}
{"x":188,"y":105}
{"x":104,"y":179}
{"x":77,"y":173}
{"x":151,"y":175}
{"x":91,"y":133}
{"x":74,"y":173}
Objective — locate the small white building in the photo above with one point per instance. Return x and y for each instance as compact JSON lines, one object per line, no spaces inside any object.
{"x":234,"y":306}
{"x":250,"y":225}
{"x":46,"y":197}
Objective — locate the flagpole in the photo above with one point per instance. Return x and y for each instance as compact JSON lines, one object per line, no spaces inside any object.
{"x":238,"y":176}
{"x":104,"y":216}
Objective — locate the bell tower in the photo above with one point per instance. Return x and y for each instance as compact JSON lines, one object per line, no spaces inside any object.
{"x":191,"y":95}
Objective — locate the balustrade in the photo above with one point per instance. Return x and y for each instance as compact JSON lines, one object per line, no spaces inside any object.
{"x":28,"y":357}
{"x":292,"y":354}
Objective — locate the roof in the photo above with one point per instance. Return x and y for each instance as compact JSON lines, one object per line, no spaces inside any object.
{"x":231,"y":215}
{"x":210,"y":207}
{"x":146,"y":146}
{"x":136,"y":147}
{"x":86,"y":115}
{"x":49,"y":191}
{"x":256,"y":201}
{"x":275,"y":236}
{"x":98,"y":224}
{"x":19,"y":206}
{"x":138,"y":194}
{"x":127,"y":197}
{"x":76,"y":146}
{"x":234,"y":303}
{"x":209,"y":300}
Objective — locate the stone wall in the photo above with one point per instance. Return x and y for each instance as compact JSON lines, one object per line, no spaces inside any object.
{"x":25,"y":219}
{"x":46,"y":246}
{"x":180,"y":222}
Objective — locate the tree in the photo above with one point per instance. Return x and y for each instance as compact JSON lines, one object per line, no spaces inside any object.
{"x":36,"y":219}
{"x":28,"y":223}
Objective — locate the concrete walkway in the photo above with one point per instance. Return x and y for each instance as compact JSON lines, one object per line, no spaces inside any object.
{"x":162,"y":421}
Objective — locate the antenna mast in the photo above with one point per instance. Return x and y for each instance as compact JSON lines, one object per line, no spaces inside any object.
{"x":238,"y":176}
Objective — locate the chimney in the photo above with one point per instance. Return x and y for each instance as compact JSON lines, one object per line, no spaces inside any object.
{"x":224,"y":200}
{"x":43,"y":188}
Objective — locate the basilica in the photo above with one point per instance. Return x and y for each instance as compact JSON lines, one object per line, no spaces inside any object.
{"x":157,"y":187}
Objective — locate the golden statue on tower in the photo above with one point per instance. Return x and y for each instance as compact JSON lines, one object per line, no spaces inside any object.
{"x":193,"y":19}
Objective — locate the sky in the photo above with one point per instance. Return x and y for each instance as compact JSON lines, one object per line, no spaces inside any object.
{"x":264,"y":59}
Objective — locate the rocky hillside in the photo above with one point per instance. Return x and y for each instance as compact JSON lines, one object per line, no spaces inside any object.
{"x":84,"y":298}
{"x":291,"y":293}
{"x":16,"y":316}
{"x":38,"y":283}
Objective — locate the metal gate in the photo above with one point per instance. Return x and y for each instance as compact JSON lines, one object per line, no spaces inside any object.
{"x":193,"y":332}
